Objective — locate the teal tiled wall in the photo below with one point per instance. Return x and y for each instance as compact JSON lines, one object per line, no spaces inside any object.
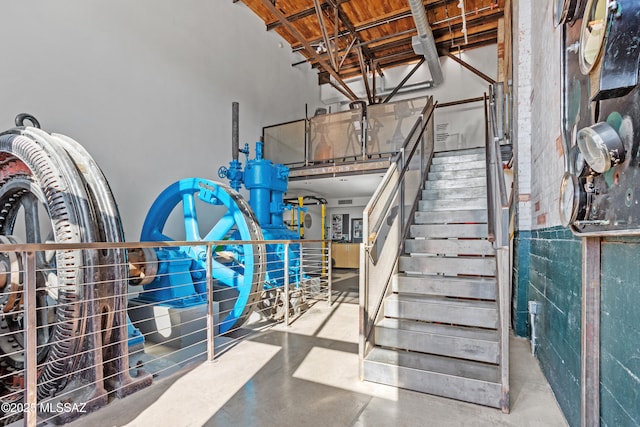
{"x":548,"y":269}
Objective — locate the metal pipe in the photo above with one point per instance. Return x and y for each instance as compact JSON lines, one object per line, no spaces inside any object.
{"x":235,"y":130}
{"x":426,"y":41}
{"x":460,"y":102}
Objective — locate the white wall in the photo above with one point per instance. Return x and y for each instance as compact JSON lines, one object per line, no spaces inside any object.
{"x":146,"y":86}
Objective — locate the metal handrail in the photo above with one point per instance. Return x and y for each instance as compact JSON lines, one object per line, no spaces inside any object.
{"x":498,"y":204}
{"x":427,"y":113}
{"x":35,"y":247}
{"x":397,"y":171}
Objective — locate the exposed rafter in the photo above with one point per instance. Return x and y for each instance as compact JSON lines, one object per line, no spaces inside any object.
{"x":308,"y":47}
{"x":367,"y":36}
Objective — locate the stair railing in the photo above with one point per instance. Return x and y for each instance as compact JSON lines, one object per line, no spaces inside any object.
{"x":386,"y":220}
{"x":498,"y":204}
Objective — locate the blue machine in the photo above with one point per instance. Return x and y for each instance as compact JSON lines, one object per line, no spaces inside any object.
{"x":242,"y":277}
{"x":267,"y":183}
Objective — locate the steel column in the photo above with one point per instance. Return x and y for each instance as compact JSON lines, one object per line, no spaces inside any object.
{"x":471,"y":68}
{"x":590,"y":375}
{"x":405,"y":80}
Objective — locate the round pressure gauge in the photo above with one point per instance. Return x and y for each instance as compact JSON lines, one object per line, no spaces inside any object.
{"x":573,"y":200}
{"x":594,"y":28}
{"x":601,"y":146}
{"x":580,"y":168}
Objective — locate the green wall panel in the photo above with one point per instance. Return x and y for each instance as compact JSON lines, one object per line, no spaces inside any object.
{"x":620,"y":333}
{"x":548,"y":269}
{"x":555,"y":282}
{"x":520,"y":280}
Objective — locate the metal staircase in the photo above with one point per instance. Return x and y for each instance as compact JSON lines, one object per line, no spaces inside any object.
{"x":435,"y":269}
{"x":440,"y":330}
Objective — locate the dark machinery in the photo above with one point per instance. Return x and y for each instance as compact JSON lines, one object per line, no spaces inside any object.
{"x":601,"y":116}
{"x":52,"y":191}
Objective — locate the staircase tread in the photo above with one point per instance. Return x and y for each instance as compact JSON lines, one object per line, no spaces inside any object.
{"x":433,"y":299}
{"x":457,"y":166}
{"x":440,"y":364}
{"x":465,"y":258}
{"x":449,"y":246}
{"x":453,"y":216}
{"x":475,"y":150}
{"x":451,"y":279}
{"x":414,"y":326}
{"x":472,"y":288}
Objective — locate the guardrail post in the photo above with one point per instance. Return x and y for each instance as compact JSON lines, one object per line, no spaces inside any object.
{"x":422,"y":159}
{"x":31,"y":333}
{"x":329,"y":276}
{"x":210,"y":308}
{"x":402,"y":194}
{"x":286,"y":284}
{"x":301,"y":269}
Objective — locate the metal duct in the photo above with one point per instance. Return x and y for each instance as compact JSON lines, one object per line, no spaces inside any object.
{"x":424,"y":43}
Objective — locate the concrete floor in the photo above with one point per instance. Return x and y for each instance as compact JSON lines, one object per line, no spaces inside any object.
{"x":307,"y":374}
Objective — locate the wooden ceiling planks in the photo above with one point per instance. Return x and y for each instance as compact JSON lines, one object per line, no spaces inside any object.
{"x":382,"y":28}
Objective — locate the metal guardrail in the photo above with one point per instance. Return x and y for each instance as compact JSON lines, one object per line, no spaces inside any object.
{"x":358,"y":135}
{"x":387,"y":217}
{"x":112,"y":356}
{"x":498,"y":203}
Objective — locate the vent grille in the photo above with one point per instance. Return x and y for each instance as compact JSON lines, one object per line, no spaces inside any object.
{"x":345,"y":202}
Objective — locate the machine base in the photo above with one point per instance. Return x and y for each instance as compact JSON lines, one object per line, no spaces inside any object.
{"x":174,"y":327}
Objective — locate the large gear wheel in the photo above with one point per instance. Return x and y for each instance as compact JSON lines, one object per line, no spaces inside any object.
{"x":44,"y":198}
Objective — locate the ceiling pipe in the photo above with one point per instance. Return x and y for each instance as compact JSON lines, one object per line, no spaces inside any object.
{"x":424,"y":43}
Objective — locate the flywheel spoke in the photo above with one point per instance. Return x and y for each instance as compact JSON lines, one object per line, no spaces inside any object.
{"x":226,"y":275}
{"x":221,"y":229}
{"x":191,"y":229}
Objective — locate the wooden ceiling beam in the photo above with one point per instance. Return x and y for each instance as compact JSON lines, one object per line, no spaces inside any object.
{"x":300,"y":15}
{"x":441,"y":36}
{"x":473,"y":19}
{"x":482,"y":38}
{"x":308,"y":47}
